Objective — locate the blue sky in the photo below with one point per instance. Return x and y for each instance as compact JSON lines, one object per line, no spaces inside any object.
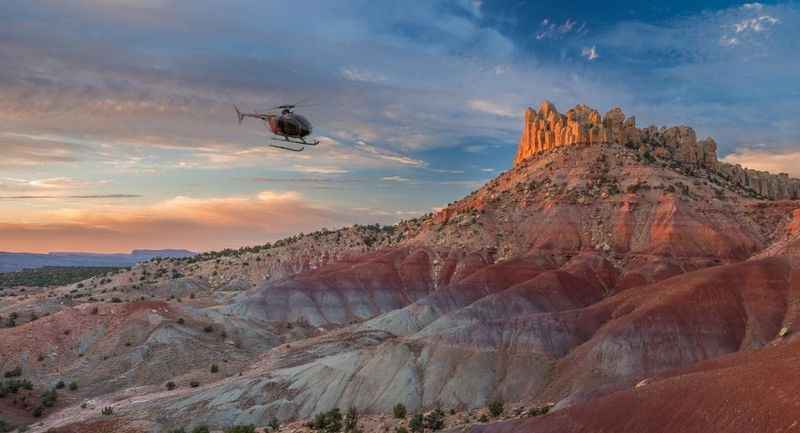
{"x":117,"y":129}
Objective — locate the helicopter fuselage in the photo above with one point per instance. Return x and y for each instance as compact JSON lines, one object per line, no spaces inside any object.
{"x":289,"y":125}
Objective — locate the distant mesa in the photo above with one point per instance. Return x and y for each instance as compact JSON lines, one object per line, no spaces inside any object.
{"x":10,"y":262}
{"x":547,"y":129}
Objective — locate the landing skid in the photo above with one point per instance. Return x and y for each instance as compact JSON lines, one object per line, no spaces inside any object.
{"x":294,"y":140}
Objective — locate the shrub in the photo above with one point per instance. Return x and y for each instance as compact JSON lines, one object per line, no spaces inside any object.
{"x":351,"y":421}
{"x":327,"y":422}
{"x":435,"y":420}
{"x":201,"y":429}
{"x":249,"y":428}
{"x":171,"y":385}
{"x":5,"y":427}
{"x":60,"y":384}
{"x":399,"y":411}
{"x":38,"y":412}
{"x":181,"y":321}
{"x":177,"y":430}
{"x":214,"y":368}
{"x":49,"y":398}
{"x":483,"y":418}
{"x":107,"y":411}
{"x":208,"y":329}
{"x":17,"y":372}
{"x":539,"y":411}
{"x":417,"y":423}
{"x":194,"y":384}
{"x":73,"y":386}
{"x":400,"y":429}
{"x":274,"y":424}
{"x":496,"y":408}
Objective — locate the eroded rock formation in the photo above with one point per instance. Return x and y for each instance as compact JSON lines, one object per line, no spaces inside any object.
{"x":547,"y":129}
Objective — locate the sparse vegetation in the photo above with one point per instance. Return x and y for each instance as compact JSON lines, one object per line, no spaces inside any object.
{"x":214,"y":368}
{"x":201,"y":429}
{"x":50,"y":276}
{"x":107,"y":411}
{"x":171,"y":385}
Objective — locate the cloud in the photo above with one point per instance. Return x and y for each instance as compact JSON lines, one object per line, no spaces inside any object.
{"x":395,"y":179}
{"x":387,"y":155}
{"x":590,"y":53}
{"x":786,"y":161}
{"x":490,"y":107}
{"x":182,"y":221}
{"x":758,"y":24}
{"x":61,"y":197}
{"x":549,"y":29}
{"x":354,"y":74}
{"x":318,"y":169}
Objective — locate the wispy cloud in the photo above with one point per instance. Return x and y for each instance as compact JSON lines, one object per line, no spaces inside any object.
{"x":590,"y":53}
{"x":395,"y":179}
{"x":178,"y":222}
{"x":355,"y":74}
{"x":490,"y":107}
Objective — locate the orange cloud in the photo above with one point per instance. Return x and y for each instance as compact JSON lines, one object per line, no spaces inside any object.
{"x":181,"y":222}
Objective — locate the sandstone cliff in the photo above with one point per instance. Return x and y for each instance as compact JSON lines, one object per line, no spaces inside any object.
{"x":546,"y":129}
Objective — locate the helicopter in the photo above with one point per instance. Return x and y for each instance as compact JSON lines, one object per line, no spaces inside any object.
{"x":287,"y":126}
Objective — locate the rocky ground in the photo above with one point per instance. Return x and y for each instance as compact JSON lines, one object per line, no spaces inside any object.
{"x":593,"y":278}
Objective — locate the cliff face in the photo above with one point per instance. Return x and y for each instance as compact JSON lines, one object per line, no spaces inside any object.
{"x":547,"y":129}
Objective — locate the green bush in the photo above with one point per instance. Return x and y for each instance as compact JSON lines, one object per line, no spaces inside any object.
{"x":49,"y":398}
{"x":5,"y":427}
{"x":496,"y":408}
{"x":201,"y":429}
{"x":16,"y":372}
{"x":60,"y":384}
{"x":327,"y":422}
{"x":483,"y":418}
{"x":274,"y":424}
{"x":400,"y":429}
{"x":539,"y":411}
{"x":177,"y":430}
{"x":107,"y":411}
{"x":435,"y":420}
{"x":214,"y":368}
{"x":417,"y":423}
{"x":351,"y":421}
{"x":171,"y":385}
{"x":399,"y":411}
{"x":38,"y":412}
{"x":73,"y":386}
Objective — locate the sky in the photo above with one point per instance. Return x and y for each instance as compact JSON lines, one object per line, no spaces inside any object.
{"x":117,"y":128}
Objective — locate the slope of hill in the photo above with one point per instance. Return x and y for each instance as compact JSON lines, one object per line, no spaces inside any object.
{"x":593,"y":273}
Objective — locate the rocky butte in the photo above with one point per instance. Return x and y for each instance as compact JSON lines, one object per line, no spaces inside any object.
{"x":547,"y":129}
